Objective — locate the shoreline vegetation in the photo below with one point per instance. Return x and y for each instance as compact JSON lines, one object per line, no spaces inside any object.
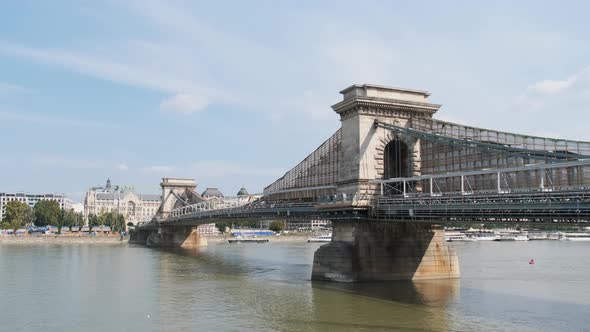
{"x":61,"y":239}
{"x":116,"y":239}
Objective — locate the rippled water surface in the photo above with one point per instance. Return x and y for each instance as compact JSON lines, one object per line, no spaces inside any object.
{"x":266,"y":287}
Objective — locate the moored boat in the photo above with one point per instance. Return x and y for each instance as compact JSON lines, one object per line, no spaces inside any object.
{"x":240,"y":239}
{"x":457,"y":237}
{"x":321,"y":238}
{"x":574,"y":236}
{"x":483,"y":236}
{"x":512,"y":237}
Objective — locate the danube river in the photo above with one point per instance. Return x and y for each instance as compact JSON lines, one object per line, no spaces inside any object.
{"x":267,"y":287}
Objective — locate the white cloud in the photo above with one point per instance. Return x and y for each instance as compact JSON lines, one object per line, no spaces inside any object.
{"x":549,"y":87}
{"x":99,"y":67}
{"x":51,"y":120}
{"x":158,"y":169}
{"x":122,"y":167}
{"x":546,"y":92}
{"x":184,"y":103}
{"x":554,"y":108}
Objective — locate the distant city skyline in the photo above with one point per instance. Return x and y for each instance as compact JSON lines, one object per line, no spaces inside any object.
{"x":234,"y":94}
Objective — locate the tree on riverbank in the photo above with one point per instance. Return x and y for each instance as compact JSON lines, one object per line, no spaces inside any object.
{"x":47,"y":213}
{"x":79,"y":220}
{"x":68,"y":219}
{"x":18,"y":215}
{"x":276,"y":226}
{"x":92,"y":221}
{"x":113,"y":219}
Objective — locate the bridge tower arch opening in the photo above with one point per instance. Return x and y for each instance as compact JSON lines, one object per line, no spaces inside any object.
{"x":396,"y":160}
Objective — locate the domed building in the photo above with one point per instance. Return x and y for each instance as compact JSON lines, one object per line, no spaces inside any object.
{"x":243,"y":192}
{"x":212,"y":193}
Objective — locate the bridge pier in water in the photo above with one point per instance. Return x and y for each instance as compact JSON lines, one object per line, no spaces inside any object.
{"x":377,"y":251}
{"x":181,"y":236}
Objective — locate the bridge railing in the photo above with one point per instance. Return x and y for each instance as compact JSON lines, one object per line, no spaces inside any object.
{"x":529,"y":178}
{"x":553,"y":206}
{"x":233,"y":209}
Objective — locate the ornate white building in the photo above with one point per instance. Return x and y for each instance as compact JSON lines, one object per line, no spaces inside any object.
{"x":136,"y":207}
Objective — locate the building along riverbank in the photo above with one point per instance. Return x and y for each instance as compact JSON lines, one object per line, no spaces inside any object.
{"x":61,"y":239}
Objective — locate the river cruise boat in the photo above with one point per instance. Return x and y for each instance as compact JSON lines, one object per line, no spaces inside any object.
{"x":239,"y":239}
{"x":521,"y":237}
{"x":574,"y":236}
{"x":535,"y":236}
{"x":321,"y":238}
{"x":512,"y":237}
{"x":483,"y":236}
{"x":451,"y":236}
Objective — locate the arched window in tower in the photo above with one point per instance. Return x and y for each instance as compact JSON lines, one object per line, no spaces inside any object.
{"x":396,"y":160}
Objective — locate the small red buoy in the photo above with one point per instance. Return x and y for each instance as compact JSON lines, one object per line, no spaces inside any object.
{"x":532,"y":261}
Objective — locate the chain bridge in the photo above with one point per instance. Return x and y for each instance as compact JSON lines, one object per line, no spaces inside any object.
{"x":388,"y":178}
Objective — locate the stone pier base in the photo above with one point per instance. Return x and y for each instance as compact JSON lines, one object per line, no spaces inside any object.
{"x":375,"y":251}
{"x":185,"y":237}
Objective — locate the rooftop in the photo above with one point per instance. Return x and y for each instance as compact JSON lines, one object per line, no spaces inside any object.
{"x":211,"y":192}
{"x":385,"y":92}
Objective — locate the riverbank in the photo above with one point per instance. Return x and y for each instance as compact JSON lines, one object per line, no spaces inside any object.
{"x":57,"y":239}
{"x":64,"y":239}
{"x":274,"y":239}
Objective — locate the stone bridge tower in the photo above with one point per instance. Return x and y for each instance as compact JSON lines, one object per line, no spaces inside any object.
{"x":369,"y":152}
{"x":177,"y":193}
{"x":370,"y":250}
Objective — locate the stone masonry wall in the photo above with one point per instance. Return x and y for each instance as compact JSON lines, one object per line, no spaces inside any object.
{"x":371,"y":251}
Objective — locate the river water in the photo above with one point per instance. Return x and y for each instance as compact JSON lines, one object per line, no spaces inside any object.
{"x":267,"y":287}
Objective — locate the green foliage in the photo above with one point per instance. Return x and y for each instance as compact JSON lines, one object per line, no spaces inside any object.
{"x":118,"y":222}
{"x":222,"y":226}
{"x":79,"y":221}
{"x":68,"y":219}
{"x":93,"y":221}
{"x":47,"y":213}
{"x":276,"y":226}
{"x":112,"y":219}
{"x":18,"y":215}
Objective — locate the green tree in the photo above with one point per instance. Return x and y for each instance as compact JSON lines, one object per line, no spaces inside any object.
{"x":117,"y":222}
{"x":276,"y":226}
{"x":114,"y":220}
{"x":104,"y":219}
{"x":93,"y":221}
{"x":79,"y":221}
{"x":47,"y":213}
{"x":69,"y":218}
{"x":18,"y":215}
{"x":221,"y":226}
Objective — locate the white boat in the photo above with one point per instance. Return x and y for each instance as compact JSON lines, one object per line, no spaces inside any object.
{"x":457,"y":237}
{"x":240,"y":239}
{"x":483,"y":236}
{"x":574,"y":236}
{"x":321,"y":238}
{"x":521,"y":237}
{"x":512,"y":237}
{"x":538,"y":236}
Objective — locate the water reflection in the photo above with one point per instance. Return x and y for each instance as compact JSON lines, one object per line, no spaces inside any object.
{"x":267,"y":288}
{"x":271,"y":291}
{"x":399,"y":305}
{"x":431,"y":292}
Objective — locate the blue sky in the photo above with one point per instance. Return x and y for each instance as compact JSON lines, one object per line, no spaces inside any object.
{"x":233,"y":93}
